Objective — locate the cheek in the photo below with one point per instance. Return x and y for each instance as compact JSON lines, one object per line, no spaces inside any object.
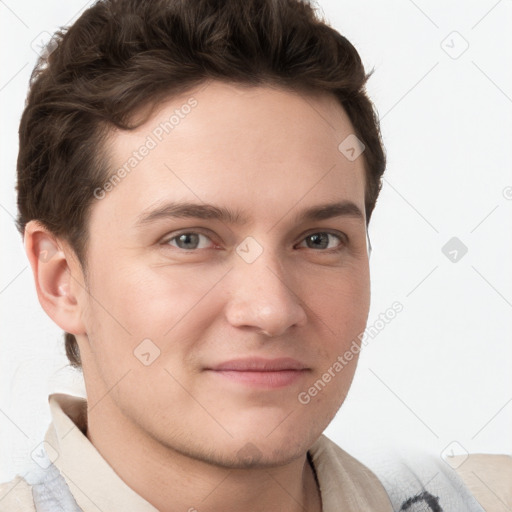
{"x":342,"y":302}
{"x":128,"y":304}
{"x":342,"y":311}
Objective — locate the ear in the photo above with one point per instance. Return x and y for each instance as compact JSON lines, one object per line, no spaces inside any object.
{"x":58,"y":277}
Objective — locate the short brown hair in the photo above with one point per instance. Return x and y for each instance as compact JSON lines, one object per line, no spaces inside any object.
{"x":124,"y":55}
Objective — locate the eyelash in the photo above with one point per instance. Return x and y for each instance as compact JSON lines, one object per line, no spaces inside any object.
{"x":341,"y":236}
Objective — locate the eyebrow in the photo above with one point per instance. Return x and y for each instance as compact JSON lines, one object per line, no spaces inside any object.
{"x":226,"y":215}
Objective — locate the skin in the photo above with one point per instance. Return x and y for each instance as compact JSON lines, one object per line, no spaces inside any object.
{"x":224,"y":445}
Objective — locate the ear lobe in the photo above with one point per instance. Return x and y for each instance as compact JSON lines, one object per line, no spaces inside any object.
{"x":49,"y":259}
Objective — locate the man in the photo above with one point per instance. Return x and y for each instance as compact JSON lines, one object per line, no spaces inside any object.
{"x":195,"y":184}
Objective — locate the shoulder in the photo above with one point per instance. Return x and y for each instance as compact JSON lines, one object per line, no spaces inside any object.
{"x":16,"y":496}
{"x":417,"y":480}
{"x":472,"y":483}
{"x":488,"y":477}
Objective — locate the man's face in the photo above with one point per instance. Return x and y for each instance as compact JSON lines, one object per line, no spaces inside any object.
{"x":203,"y":332}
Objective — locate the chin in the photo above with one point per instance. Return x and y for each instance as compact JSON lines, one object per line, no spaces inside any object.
{"x":274,"y":436}
{"x":267,"y":453}
{"x":262,"y":447}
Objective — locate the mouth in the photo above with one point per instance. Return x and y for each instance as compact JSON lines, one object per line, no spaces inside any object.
{"x":260,"y":372}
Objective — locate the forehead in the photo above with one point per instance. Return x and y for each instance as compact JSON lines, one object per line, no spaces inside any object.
{"x":246,"y":147}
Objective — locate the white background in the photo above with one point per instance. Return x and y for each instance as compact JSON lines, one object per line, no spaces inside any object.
{"x":441,"y":370}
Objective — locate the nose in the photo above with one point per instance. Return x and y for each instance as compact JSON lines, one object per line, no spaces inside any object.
{"x":262,"y":298}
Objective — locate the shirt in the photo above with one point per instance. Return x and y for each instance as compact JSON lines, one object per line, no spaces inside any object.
{"x":72,"y":476}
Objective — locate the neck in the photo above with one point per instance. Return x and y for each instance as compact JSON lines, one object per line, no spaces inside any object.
{"x":173,"y":481}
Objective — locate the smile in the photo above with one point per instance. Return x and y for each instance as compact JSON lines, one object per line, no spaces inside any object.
{"x":265,"y":373}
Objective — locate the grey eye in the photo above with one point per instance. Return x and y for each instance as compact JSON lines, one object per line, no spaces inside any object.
{"x":187,"y":241}
{"x":320,"y":240}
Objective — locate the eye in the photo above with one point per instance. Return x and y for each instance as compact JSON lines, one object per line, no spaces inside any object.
{"x":188,"y":240}
{"x":320,"y":240}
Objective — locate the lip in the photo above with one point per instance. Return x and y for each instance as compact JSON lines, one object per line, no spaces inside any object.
{"x":259,"y":364}
{"x":261,"y":372}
